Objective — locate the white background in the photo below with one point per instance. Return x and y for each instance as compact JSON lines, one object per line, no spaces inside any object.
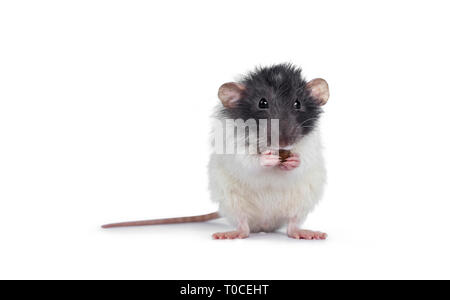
{"x":104,"y":116}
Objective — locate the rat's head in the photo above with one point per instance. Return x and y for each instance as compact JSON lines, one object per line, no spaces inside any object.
{"x":276,"y":92}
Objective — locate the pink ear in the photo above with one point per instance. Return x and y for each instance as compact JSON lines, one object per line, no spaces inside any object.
{"x":230,"y":93}
{"x":319,"y":90}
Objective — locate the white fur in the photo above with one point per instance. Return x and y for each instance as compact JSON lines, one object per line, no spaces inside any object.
{"x":268,"y":197}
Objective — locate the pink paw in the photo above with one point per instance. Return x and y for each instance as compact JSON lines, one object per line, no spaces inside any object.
{"x":268,"y":159}
{"x":230,"y":235}
{"x":307,"y":234}
{"x":291,"y":162}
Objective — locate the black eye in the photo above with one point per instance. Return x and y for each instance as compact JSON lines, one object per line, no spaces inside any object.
{"x":263,"y":104}
{"x":297,"y":105}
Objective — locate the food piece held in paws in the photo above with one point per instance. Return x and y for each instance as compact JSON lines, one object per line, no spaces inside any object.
{"x":284,"y":154}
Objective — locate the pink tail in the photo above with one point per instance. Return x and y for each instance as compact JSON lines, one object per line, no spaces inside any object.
{"x":201,"y":218}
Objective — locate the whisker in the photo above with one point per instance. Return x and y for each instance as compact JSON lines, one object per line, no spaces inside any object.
{"x":310,"y":119}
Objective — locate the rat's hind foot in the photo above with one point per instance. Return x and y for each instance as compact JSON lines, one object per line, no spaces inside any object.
{"x":306,"y":234}
{"x":230,"y":235}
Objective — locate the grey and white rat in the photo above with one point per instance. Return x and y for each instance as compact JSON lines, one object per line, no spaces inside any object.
{"x":262,"y":191}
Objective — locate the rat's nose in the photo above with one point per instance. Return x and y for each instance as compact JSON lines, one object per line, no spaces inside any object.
{"x":286,"y":140}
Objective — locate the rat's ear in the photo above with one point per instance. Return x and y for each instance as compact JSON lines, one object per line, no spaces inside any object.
{"x":230,"y":93}
{"x":319,"y":90}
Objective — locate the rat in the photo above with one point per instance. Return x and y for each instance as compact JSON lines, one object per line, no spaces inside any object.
{"x":279,"y":183}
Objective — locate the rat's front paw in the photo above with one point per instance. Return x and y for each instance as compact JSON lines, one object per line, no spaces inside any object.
{"x":268,"y":159}
{"x":291,"y":162}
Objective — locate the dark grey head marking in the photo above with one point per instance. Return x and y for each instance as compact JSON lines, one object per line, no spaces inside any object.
{"x":276,"y":92}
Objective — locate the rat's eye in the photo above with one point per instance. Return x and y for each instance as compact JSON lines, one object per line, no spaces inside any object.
{"x":297,"y":105}
{"x":263,"y":104}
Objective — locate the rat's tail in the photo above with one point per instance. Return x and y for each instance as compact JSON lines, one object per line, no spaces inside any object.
{"x":201,"y":218}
